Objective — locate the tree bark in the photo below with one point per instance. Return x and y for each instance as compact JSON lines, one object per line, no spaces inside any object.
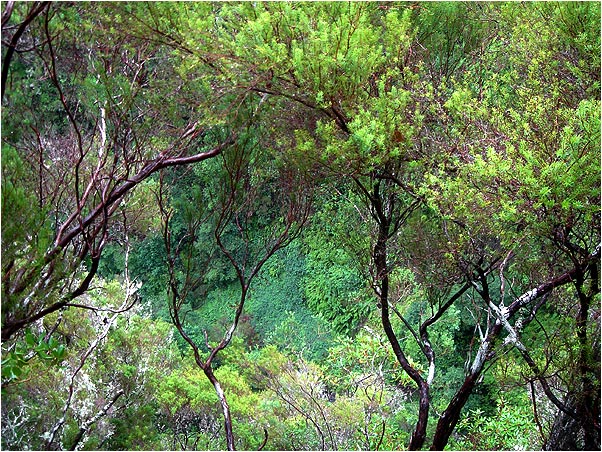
{"x":382,"y":273}
{"x":451,"y":415}
{"x":564,"y":434}
{"x":588,"y":403}
{"x":35,"y":10}
{"x":225,"y":407}
{"x":86,"y":425}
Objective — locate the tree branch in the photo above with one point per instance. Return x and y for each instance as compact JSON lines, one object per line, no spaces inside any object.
{"x":35,"y":11}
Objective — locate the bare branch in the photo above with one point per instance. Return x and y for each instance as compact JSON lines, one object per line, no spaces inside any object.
{"x":34,"y":11}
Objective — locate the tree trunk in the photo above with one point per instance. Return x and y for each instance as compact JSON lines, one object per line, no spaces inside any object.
{"x":588,"y":401}
{"x":565,"y":434}
{"x":225,"y":407}
{"x":382,"y":274}
{"x":570,"y":433}
{"x":449,"y":418}
{"x":451,"y":415}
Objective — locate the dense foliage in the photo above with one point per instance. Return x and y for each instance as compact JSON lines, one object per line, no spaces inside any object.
{"x":313,"y":226}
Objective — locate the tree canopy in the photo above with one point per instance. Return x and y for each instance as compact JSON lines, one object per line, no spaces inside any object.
{"x":301,"y":225}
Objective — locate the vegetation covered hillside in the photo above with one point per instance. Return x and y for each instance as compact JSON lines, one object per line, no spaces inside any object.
{"x":300,"y":225}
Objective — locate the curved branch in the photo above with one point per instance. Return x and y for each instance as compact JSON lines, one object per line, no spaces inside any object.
{"x":8,"y":11}
{"x":544,"y":384}
{"x":451,"y":415}
{"x":118,"y":192}
{"x":265,"y":439}
{"x":112,"y":199}
{"x":12,"y":327}
{"x":35,"y":11}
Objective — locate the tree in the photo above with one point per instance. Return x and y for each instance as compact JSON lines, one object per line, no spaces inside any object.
{"x":530,"y":207}
{"x":109,"y":369}
{"x":244,"y":229}
{"x":374,"y":153}
{"x":383,"y":123}
{"x":464,"y":138}
{"x":74,"y":161}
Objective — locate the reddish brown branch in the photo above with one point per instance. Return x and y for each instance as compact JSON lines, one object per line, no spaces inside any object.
{"x":35,"y":11}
